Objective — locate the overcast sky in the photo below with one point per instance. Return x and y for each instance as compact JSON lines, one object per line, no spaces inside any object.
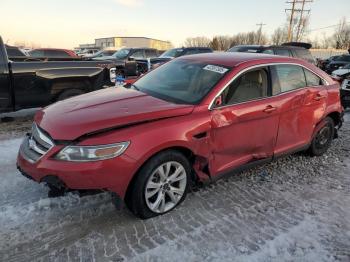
{"x":67,"y":23}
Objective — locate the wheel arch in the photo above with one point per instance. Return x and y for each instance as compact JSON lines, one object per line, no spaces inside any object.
{"x":59,"y":87}
{"x":336,"y":117}
{"x":187,"y":152}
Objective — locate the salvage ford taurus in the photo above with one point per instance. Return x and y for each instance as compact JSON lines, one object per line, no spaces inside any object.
{"x":191,"y":120}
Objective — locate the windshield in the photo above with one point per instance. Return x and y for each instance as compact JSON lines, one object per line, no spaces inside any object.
{"x":99,"y":53}
{"x":172,"y":53}
{"x":181,"y":81}
{"x":343,"y":58}
{"x":122,"y":53}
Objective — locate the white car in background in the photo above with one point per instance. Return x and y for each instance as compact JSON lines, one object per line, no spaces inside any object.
{"x":342,"y":71}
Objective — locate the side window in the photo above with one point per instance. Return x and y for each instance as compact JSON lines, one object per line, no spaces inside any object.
{"x":191,"y":51}
{"x":14,"y":52}
{"x":286,"y":78}
{"x":202,"y":51}
{"x":55,"y":53}
{"x":249,"y":86}
{"x":138,"y":54}
{"x":268,"y":51}
{"x":282,"y":52}
{"x":312,"y":79}
{"x":36,"y":53}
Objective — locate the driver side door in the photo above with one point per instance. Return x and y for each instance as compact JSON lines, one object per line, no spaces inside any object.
{"x":245,"y":124}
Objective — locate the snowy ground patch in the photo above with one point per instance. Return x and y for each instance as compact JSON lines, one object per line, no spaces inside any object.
{"x":294,"y":209}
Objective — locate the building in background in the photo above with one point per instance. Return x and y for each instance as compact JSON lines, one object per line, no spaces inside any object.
{"x":119,"y":42}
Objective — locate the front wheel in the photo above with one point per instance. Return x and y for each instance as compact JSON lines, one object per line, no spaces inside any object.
{"x":161,"y":185}
{"x":323,"y":138}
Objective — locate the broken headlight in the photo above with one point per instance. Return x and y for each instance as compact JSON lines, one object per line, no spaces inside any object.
{"x":91,"y":153}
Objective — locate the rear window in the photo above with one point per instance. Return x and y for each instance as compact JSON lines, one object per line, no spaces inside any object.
{"x":312,"y":79}
{"x":304,"y":54}
{"x":282,"y":52}
{"x":245,"y":49}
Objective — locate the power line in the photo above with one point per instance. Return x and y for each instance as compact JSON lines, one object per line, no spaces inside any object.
{"x":260,"y":31}
{"x":330,"y":26}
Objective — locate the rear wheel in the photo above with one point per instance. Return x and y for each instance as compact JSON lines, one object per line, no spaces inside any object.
{"x":323,"y":138}
{"x":160,"y":185}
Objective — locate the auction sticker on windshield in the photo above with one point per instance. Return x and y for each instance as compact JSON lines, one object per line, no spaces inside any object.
{"x":216,"y":69}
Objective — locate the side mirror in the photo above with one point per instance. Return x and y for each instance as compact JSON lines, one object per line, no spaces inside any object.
{"x":218,"y":101}
{"x":131,"y":58}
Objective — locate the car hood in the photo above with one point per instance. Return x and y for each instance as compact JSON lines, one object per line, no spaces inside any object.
{"x":110,"y":58}
{"x":103,"y":110}
{"x":338,"y":63}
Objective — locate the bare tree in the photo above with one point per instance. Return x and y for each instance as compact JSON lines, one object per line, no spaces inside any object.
{"x":249,"y":38}
{"x":280,"y":35}
{"x":200,"y":41}
{"x":221,"y":43}
{"x":342,"y":35}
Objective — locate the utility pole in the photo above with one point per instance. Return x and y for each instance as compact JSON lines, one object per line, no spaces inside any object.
{"x":294,"y":10}
{"x":290,"y":37}
{"x":260,"y":31}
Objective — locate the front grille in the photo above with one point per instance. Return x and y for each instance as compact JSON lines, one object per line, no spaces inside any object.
{"x":36,"y":144}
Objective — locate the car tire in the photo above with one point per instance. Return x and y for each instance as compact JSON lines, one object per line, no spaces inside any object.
{"x":69,"y":93}
{"x":323,"y":138}
{"x":157,"y":189}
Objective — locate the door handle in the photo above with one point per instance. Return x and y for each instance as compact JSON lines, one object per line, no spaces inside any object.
{"x":269,"y":109}
{"x":318,"y":97}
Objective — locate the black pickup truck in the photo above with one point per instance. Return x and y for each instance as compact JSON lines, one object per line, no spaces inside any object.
{"x":30,"y":84}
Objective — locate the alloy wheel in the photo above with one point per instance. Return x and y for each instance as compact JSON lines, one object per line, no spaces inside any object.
{"x":165,"y":187}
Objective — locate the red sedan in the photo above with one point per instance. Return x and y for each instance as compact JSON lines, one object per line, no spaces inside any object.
{"x":52,"y":53}
{"x":191,"y":120}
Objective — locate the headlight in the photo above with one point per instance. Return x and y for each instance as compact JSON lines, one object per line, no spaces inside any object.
{"x":91,"y":153}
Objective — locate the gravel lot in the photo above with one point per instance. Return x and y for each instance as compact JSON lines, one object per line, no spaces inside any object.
{"x":294,"y":209}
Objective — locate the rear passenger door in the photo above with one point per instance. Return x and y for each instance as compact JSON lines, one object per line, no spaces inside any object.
{"x":289,"y":86}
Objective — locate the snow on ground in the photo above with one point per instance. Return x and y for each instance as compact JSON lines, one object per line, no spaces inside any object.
{"x":294,"y":209}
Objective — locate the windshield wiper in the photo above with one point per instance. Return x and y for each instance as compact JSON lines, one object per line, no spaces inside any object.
{"x":135,"y":87}
{"x":128,"y":85}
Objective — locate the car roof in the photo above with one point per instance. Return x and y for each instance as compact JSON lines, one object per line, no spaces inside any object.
{"x":231,"y":59}
{"x":54,"y":49}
